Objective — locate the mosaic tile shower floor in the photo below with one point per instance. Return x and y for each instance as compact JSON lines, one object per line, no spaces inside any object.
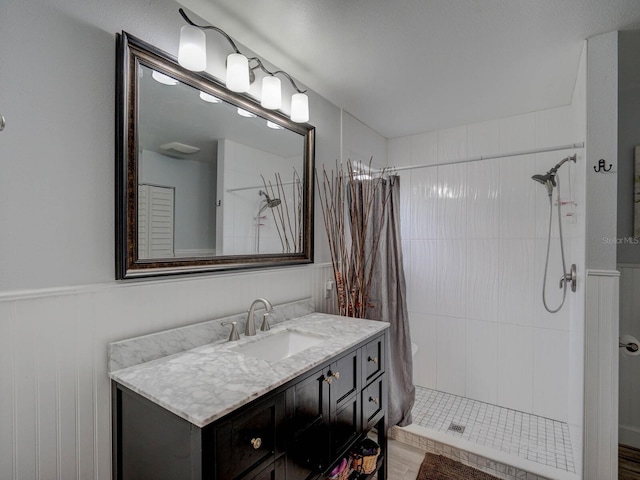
{"x":534,"y":438}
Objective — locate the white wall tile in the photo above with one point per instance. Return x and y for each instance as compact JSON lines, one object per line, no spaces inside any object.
{"x":452,"y":144}
{"x":422,"y":287}
{"x":399,"y":152}
{"x":424,"y":332}
{"x":516,"y":297}
{"x":518,"y":133}
{"x":424,"y":203}
{"x":483,"y":199}
{"x":482,"y":277}
{"x":482,"y":361}
{"x":451,"y":287}
{"x":424,"y":148}
{"x":451,"y":357}
{"x":560,"y":320}
{"x":483,"y":138}
{"x":554,"y":127}
{"x":515,"y":367}
{"x":452,"y":211}
{"x":517,"y":197}
{"x":405,"y":205}
{"x":550,"y":373}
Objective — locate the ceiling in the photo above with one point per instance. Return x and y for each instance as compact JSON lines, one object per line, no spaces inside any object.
{"x":408,"y":66}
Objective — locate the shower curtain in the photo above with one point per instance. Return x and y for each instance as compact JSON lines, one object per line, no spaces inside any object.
{"x":388,"y":300}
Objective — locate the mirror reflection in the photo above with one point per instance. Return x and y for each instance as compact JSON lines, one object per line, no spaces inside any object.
{"x":213,"y":179}
{"x":206,"y":179}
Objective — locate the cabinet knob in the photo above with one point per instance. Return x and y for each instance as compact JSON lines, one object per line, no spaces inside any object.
{"x":331,"y":376}
{"x":374,"y":400}
{"x":256,"y":443}
{"x":373,"y":359}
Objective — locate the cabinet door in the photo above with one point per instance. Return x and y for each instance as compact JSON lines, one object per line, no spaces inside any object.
{"x":274,"y":471}
{"x":248,"y":439}
{"x":344,"y":375}
{"x":308,"y":445}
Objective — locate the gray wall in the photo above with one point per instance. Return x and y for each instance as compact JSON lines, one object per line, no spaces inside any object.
{"x":628,"y":138}
{"x":57,"y":151}
{"x":602,"y":143}
{"x":59,"y":303}
{"x":195,"y":196}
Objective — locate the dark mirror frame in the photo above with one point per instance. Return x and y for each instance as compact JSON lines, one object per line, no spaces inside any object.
{"x":131,"y":52}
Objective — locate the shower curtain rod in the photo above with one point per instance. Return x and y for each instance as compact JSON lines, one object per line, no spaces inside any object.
{"x":570,"y":146}
{"x":255,"y":187}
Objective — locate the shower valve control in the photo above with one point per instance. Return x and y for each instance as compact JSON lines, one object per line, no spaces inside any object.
{"x":572,"y":277}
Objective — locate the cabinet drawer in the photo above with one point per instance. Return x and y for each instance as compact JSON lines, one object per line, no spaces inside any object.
{"x":248,"y":440}
{"x":374,"y":401}
{"x":373,"y":359}
{"x":344,"y":377}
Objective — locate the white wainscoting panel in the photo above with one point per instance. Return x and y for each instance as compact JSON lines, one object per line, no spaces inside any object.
{"x":601,"y":376}
{"x":55,"y":398}
{"x":629,"y":415}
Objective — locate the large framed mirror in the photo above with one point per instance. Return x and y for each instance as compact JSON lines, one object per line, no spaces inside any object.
{"x":206,"y":179}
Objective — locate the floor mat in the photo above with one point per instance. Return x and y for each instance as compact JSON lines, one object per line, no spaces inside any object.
{"x":437,"y":467}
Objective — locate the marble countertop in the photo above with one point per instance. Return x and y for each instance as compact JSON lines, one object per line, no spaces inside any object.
{"x":205,"y":383}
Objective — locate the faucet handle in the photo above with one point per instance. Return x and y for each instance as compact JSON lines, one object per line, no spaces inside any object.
{"x":234,"y":335}
{"x":265,"y":322}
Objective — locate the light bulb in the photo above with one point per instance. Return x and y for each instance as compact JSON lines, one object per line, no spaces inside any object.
{"x":273,"y":125}
{"x":244,"y":113}
{"x":299,"y":108}
{"x":237,"y":73}
{"x":192,"y":52}
{"x":163,"y":79}
{"x":271,"y":93}
{"x":209,"y":98}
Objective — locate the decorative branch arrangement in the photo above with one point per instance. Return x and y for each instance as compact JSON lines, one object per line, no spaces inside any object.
{"x":288,"y":221}
{"x":353,"y":231}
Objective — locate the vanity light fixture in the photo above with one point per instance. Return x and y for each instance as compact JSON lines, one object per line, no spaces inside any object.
{"x":192,"y":55}
{"x":273,"y":125}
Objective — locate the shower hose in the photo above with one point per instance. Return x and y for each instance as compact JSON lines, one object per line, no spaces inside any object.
{"x":546,"y":263}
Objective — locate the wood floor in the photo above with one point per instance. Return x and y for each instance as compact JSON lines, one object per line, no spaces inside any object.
{"x":628,"y":463}
{"x":404,"y":461}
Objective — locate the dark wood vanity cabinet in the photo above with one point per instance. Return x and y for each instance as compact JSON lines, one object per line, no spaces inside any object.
{"x":299,"y":431}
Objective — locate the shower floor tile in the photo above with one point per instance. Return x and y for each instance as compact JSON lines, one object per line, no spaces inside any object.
{"x":535,"y":438}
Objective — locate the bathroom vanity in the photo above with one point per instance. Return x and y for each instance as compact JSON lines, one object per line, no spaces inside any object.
{"x":284,"y":404}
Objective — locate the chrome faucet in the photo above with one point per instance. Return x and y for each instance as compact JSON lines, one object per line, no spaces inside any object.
{"x":250,"y":327}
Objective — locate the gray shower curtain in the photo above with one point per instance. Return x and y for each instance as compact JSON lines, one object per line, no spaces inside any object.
{"x":388,"y":299}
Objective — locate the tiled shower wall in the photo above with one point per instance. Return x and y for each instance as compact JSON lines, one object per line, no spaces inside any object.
{"x":474,"y":242}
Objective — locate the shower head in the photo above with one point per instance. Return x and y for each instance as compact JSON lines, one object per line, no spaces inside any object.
{"x":268,"y":202}
{"x":271,"y":202}
{"x":548,"y":180}
{"x":543,"y":179}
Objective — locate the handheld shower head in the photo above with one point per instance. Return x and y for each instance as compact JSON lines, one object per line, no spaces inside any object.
{"x":268,"y":201}
{"x":548,"y":180}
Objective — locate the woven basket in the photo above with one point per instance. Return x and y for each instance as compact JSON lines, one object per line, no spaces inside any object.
{"x":364,"y":464}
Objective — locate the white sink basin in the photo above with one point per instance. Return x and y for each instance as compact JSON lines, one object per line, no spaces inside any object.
{"x":279,"y":345}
